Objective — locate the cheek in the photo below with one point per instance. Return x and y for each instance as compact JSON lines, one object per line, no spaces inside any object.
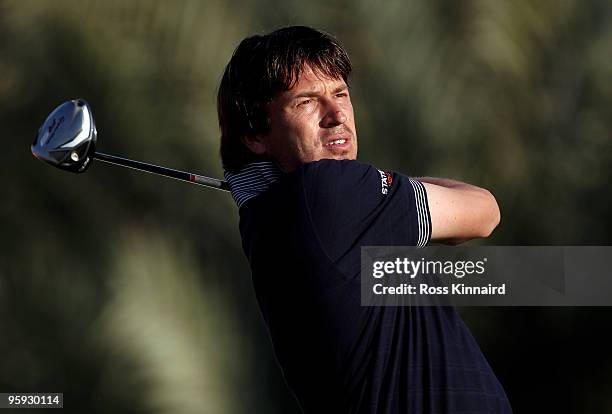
{"x":298,"y":133}
{"x":303,"y":130}
{"x":350,"y":113}
{"x":306,"y":142}
{"x":282,"y":131}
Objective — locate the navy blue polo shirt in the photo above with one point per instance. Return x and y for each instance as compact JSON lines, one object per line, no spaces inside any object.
{"x":302,"y":234}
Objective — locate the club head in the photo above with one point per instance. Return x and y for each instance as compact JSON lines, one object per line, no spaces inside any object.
{"x":67,"y":138}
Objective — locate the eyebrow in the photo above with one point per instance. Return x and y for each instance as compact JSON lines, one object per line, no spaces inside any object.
{"x":312,"y":92}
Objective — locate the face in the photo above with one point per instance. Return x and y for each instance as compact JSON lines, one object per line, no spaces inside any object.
{"x":311,"y":121}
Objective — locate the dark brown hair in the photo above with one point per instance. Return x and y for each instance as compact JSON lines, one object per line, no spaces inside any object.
{"x":261,"y":67}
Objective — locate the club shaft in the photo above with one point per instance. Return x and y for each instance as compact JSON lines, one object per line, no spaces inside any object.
{"x":166,"y":172}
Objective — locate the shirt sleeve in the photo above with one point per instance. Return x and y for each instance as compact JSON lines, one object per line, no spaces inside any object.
{"x":352,"y":204}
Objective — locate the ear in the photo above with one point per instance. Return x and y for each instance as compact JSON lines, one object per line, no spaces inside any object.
{"x":255,"y":143}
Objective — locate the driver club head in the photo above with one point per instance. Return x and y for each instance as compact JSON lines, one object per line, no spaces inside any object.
{"x":67,"y":138}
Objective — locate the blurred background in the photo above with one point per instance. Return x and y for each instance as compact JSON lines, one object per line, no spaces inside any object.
{"x":130,"y":293}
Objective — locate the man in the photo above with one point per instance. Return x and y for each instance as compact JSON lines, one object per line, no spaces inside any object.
{"x":289,"y":149}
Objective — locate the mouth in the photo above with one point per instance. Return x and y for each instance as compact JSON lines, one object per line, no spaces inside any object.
{"x":337,"y":144}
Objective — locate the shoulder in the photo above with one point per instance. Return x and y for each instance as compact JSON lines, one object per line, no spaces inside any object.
{"x":348,"y":174}
{"x":343,"y":186}
{"x":333,"y":166}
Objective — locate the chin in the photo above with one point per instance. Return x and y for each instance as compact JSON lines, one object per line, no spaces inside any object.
{"x":344,"y":156}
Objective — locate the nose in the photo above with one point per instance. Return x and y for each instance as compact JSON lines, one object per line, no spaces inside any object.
{"x":334,"y":116}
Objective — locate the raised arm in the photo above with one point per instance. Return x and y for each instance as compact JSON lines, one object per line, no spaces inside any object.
{"x":459,"y":211}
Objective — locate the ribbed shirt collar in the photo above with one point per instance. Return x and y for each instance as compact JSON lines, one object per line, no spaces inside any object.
{"x":251,"y":180}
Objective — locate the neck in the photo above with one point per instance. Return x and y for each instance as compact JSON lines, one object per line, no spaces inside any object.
{"x":252,"y":180}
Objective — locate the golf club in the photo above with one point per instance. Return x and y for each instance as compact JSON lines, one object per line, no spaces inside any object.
{"x":67,"y":140}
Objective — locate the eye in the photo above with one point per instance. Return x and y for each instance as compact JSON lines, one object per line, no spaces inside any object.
{"x":304,"y":102}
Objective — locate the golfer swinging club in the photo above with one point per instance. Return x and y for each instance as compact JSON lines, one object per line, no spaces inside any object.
{"x":289,"y":149}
